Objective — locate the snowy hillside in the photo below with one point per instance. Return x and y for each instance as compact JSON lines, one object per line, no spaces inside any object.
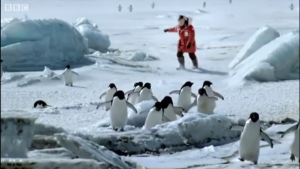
{"x":249,"y":50}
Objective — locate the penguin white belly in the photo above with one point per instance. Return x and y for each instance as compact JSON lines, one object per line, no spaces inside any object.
{"x":169,"y":113}
{"x":118,"y":114}
{"x":295,"y":144}
{"x":250,"y":142}
{"x":134,"y":97}
{"x":68,"y":77}
{"x":153,"y":118}
{"x":184,"y":100}
{"x":206,"y":105}
{"x":109,"y":96}
{"x":145,"y":95}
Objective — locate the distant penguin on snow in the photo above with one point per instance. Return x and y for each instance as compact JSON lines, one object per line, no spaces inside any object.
{"x":210,"y":92}
{"x":154,"y":116}
{"x":40,"y":104}
{"x":132,"y":98}
{"x":68,"y":76}
{"x":169,"y":110}
{"x":295,"y":144}
{"x":109,"y":93}
{"x":185,"y":94}
{"x":144,"y":94}
{"x":204,"y":103}
{"x":118,"y":110}
{"x":250,"y":139}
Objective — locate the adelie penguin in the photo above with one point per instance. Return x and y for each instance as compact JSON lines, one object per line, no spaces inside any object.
{"x":294,"y":148}
{"x":144,"y":94}
{"x":185,"y":95}
{"x":154,"y":116}
{"x":132,"y":98}
{"x":170,"y":111}
{"x":250,"y":139}
{"x":205,"y":104}
{"x":40,"y":104}
{"x":109,"y":93}
{"x":68,"y":76}
{"x":118,"y":110}
{"x":210,"y":92}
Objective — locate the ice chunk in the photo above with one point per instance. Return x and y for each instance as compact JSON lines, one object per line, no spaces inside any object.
{"x":16,"y":136}
{"x":48,"y":72}
{"x":97,"y":40}
{"x":261,"y":37}
{"x":142,"y":56}
{"x":29,"y":45}
{"x":89,"y":150}
{"x":191,"y":130}
{"x":276,"y":61}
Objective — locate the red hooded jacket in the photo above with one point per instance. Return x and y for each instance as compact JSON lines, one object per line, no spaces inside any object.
{"x":186,"y":36}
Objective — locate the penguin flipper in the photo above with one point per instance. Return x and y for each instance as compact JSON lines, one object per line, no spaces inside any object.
{"x":192,"y":105}
{"x":154,"y":98}
{"x":289,"y":130}
{"x":75,"y":73}
{"x":218,"y":95}
{"x":213,"y":98}
{"x":103,"y":104}
{"x":103,"y":94}
{"x":131,"y":106}
{"x":178,"y":110}
{"x":129,"y":92}
{"x":266,"y":138}
{"x":175,"y":92}
{"x":194,"y":95}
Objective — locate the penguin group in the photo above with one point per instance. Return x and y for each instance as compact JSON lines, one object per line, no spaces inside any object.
{"x":162,"y":111}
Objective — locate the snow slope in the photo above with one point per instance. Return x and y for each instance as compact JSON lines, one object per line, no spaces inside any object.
{"x":221,"y":30}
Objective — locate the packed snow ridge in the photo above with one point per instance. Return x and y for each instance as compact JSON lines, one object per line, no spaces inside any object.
{"x":266,"y":57}
{"x":24,"y":139}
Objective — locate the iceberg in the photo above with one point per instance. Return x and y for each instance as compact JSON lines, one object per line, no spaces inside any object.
{"x":275,"y":61}
{"x":260,"y":38}
{"x":96,"y":39}
{"x":29,"y":45}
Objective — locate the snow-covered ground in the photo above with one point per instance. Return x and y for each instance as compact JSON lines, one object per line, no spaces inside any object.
{"x":139,"y":50}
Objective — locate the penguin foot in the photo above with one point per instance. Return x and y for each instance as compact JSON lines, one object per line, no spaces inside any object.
{"x":115,"y":129}
{"x":292,"y":157}
{"x":122,"y":129}
{"x":255,"y":162}
{"x":71,"y":85}
{"x":241,"y":159}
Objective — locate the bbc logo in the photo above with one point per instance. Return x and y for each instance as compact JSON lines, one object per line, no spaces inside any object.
{"x":16,"y":7}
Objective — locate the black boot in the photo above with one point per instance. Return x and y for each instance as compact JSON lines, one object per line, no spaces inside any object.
{"x":181,"y":63}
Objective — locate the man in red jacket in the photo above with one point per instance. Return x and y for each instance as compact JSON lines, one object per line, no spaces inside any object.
{"x":186,"y":42}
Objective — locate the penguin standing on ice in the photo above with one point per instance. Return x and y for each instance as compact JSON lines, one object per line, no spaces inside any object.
{"x":154,"y":116}
{"x":144,"y":94}
{"x":250,"y":139}
{"x":185,"y":94}
{"x":295,"y":144}
{"x":120,"y":8}
{"x":40,"y":104}
{"x":153,"y":5}
{"x":169,"y":110}
{"x":118,"y":110}
{"x":109,"y":93}
{"x":68,"y":76}
{"x":137,"y":87}
{"x":210,"y":92}
{"x":204,"y":103}
{"x":130,"y":8}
